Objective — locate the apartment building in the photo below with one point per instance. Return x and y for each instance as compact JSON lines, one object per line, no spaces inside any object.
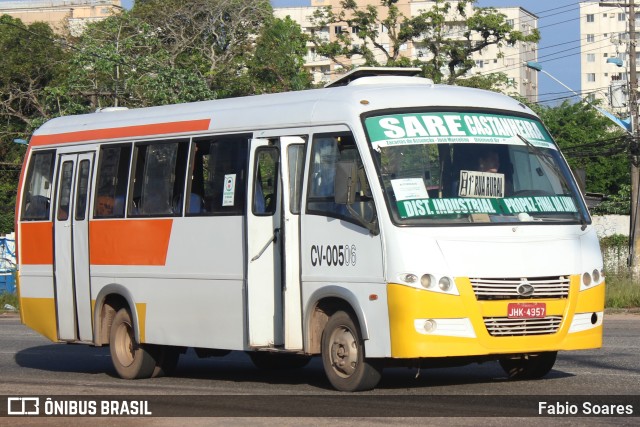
{"x":60,"y":14}
{"x":604,"y":44}
{"x":508,"y":59}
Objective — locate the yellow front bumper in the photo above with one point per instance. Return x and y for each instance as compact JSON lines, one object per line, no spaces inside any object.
{"x":465,"y":333}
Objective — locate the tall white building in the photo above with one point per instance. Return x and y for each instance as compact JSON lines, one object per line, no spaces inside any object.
{"x":61,"y":15}
{"x":509,"y":59}
{"x":604,"y":42}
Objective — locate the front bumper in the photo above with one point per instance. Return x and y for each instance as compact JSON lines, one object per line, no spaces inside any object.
{"x":457,"y":325}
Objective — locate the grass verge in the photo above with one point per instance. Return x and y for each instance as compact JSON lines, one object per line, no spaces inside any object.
{"x":622,"y":292}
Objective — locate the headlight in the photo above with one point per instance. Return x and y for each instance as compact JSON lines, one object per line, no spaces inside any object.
{"x":409,"y":278}
{"x":586,"y":279}
{"x":430,"y":282}
{"x":427,"y":281}
{"x":596,"y":276}
{"x":444,"y":284}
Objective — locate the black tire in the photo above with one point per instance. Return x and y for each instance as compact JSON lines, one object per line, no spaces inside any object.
{"x":130,"y":359}
{"x":529,"y":366}
{"x":166,"y":361}
{"x":343,"y":356}
{"x":269,"y":361}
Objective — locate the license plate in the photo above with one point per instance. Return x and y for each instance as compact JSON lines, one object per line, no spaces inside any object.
{"x":526,"y":310}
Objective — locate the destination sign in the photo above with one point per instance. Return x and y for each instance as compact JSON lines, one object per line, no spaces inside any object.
{"x":422,"y":208}
{"x":451,"y":128}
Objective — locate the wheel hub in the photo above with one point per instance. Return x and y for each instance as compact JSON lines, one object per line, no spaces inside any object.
{"x":125,"y":348}
{"x":344,"y":352}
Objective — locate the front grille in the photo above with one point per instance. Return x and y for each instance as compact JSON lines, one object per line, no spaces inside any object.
{"x":505,"y":327}
{"x":555,"y":287}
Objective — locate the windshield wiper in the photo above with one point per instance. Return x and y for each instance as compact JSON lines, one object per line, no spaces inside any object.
{"x":545,"y":157}
{"x":541,"y":155}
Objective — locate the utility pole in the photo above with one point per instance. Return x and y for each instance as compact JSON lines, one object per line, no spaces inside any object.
{"x":634,"y":229}
{"x":634,"y":146}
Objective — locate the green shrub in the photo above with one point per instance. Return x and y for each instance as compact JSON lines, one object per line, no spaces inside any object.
{"x":8,"y":298}
{"x":622,"y":291}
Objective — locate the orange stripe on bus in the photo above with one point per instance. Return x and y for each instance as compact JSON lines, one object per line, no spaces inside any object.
{"x":36,"y":243}
{"x":122,"y":132}
{"x":129,"y":242}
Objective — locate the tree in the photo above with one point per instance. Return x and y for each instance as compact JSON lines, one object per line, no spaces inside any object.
{"x":32,"y":60}
{"x":214,"y":37}
{"x":591,"y":142}
{"x":121,"y":62}
{"x":277,"y":64}
{"x":448,"y":50}
{"x":498,"y":82}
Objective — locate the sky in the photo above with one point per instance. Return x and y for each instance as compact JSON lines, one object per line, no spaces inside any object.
{"x":559,"y":47}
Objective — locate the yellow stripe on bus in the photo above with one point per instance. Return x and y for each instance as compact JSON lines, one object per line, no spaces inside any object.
{"x":141,"y":308}
{"x":40,"y":315}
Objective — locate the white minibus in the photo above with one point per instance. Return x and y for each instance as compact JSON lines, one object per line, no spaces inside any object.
{"x":382,"y":221}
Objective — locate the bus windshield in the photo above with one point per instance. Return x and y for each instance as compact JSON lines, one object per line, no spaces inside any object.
{"x":476,"y":167}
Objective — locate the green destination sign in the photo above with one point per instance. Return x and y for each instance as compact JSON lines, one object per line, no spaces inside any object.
{"x":420,"y":208}
{"x":447,"y":128}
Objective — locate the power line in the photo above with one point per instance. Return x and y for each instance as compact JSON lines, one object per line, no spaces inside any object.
{"x":516,"y":66}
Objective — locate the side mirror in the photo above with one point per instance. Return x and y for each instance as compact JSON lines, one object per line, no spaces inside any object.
{"x":346,"y":182}
{"x":581,"y":178}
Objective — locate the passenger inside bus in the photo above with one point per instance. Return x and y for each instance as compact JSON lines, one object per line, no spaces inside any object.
{"x":485,"y":158}
{"x":489,"y":161}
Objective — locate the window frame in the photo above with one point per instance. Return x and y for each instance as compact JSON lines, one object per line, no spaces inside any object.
{"x":309,"y":199}
{"x":241,"y":185}
{"x":27,"y":183}
{"x":82,"y":191}
{"x":127,"y":179}
{"x":182,"y":145}
{"x":256,"y":169}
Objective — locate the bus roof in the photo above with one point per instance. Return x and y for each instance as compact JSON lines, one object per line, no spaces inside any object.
{"x":281,"y":110}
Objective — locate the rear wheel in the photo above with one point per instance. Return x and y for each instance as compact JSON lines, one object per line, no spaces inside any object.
{"x":343,"y":356}
{"x":130,"y":359}
{"x":529,"y":366}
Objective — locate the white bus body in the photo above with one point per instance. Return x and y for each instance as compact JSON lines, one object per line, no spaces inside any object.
{"x":421,"y":256}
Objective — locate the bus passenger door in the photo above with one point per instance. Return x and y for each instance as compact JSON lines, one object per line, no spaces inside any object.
{"x":264,"y":297}
{"x":292,"y":149}
{"x":71,"y":237}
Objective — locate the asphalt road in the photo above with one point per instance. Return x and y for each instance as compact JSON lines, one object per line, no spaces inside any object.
{"x":232,"y":387}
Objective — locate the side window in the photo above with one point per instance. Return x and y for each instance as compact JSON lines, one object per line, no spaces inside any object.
{"x":327,"y":150}
{"x":265,"y":181}
{"x":64,"y":192}
{"x":295,"y":157}
{"x":158,"y":182}
{"x":36,"y":199}
{"x":217,"y":183}
{"x":113,"y":174}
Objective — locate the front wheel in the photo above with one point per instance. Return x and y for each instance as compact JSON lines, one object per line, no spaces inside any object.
{"x":343,"y":356}
{"x":131,"y":360}
{"x":529,"y":366}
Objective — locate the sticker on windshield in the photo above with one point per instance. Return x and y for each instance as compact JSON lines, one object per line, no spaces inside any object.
{"x":481,"y":184}
{"x":409,"y":189}
{"x":422,"y":208}
{"x":451,"y":128}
